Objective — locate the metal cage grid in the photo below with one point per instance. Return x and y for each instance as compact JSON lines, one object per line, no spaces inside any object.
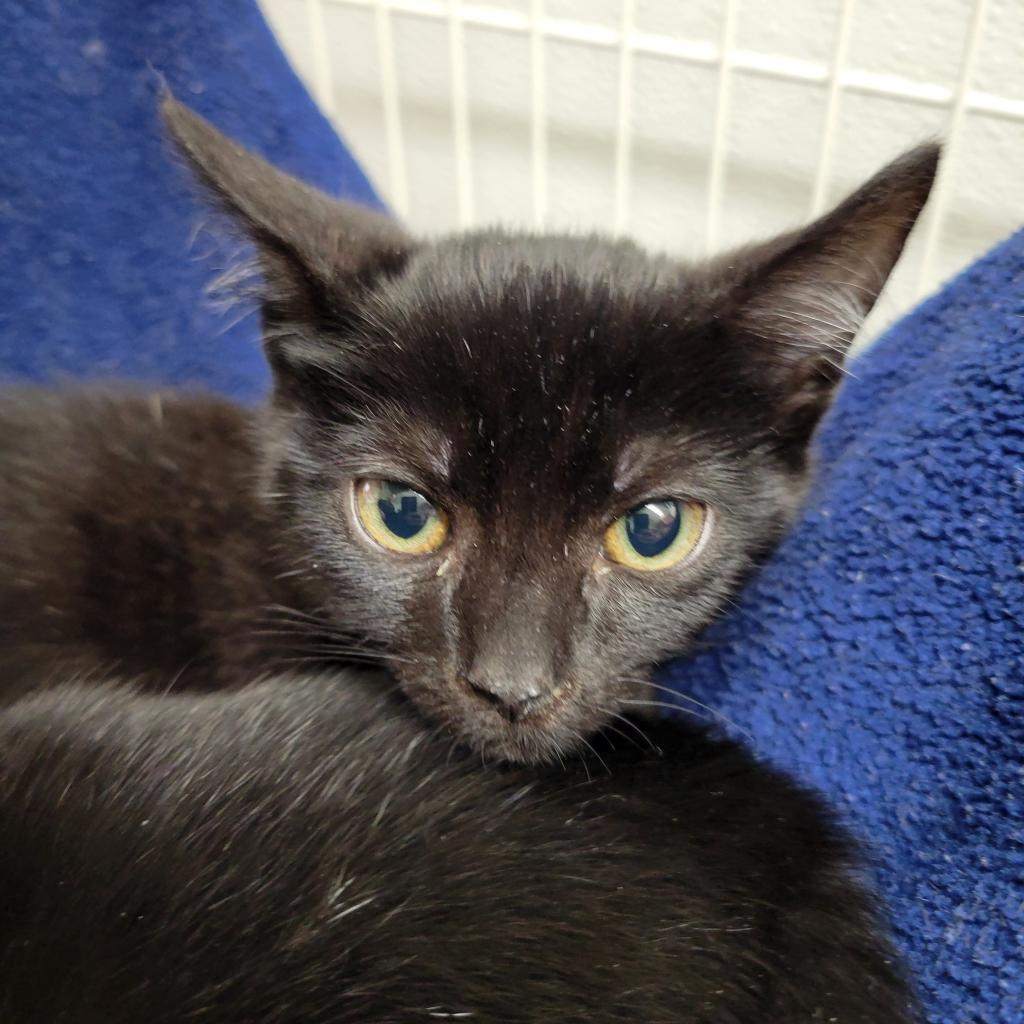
{"x":837,"y":77}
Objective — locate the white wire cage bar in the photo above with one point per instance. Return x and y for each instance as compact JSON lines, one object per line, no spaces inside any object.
{"x":704,"y":52}
{"x":836,"y":77}
{"x":538,"y":117}
{"x":397,"y":180}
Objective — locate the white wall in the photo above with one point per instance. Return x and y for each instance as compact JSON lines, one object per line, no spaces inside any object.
{"x":772,"y":134}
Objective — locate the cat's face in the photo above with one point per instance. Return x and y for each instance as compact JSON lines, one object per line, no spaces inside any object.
{"x":538,"y":395}
{"x":527,"y":469}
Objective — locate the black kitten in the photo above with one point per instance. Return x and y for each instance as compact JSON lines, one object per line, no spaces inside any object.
{"x":518,"y":470}
{"x":305,"y":851}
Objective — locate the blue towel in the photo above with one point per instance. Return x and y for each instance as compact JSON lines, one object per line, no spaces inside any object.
{"x":880,"y":655}
{"x":101,"y":274}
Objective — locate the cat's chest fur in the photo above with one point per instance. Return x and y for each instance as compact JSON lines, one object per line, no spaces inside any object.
{"x":134,"y":541}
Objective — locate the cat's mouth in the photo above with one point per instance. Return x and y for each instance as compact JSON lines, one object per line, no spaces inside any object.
{"x":537,"y":730}
{"x":521,"y":710}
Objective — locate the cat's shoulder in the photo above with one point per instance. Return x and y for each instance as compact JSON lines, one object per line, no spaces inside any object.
{"x":132,"y":533}
{"x":67,"y":438}
{"x":110,"y":415}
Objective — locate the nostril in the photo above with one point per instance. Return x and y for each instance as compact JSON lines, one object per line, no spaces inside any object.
{"x":481,"y":691}
{"x":513,"y":708}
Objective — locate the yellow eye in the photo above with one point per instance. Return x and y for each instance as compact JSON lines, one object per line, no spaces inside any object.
{"x":398,"y":518}
{"x":657,"y":534}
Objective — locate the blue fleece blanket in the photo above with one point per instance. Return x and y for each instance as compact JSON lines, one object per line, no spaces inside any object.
{"x":102,"y":272}
{"x":879,"y":655}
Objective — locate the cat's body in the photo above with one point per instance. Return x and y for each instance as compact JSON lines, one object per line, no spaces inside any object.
{"x":134,"y":542}
{"x":308,"y":851}
{"x":523,"y":411}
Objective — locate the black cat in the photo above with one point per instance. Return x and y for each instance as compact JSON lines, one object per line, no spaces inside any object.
{"x":516,"y":470}
{"x":307,"y":851}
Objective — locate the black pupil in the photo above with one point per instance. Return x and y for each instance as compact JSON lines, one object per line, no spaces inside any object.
{"x":405,"y":512}
{"x":653,"y":527}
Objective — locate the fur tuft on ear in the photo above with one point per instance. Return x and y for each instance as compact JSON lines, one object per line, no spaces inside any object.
{"x":316,"y":254}
{"x":803,"y":297}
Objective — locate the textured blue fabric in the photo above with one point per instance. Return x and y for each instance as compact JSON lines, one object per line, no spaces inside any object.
{"x":880,"y":655}
{"x":101,"y":274}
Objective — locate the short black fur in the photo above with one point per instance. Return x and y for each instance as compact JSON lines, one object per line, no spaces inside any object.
{"x":307,"y":852}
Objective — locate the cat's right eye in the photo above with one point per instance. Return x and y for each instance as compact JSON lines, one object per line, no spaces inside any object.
{"x":657,"y":534}
{"x":399,"y":518}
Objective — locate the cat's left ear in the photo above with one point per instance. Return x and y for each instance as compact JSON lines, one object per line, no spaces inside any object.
{"x":801,"y":299}
{"x":316,"y":254}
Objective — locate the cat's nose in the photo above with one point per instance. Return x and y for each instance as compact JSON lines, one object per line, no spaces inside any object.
{"x":514,"y":705}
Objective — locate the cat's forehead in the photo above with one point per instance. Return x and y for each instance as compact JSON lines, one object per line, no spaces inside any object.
{"x":495,"y":269}
{"x":553,"y":328}
{"x":553,"y":312}
{"x":528,"y":367}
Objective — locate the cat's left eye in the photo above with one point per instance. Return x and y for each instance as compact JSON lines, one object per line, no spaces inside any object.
{"x":656,"y":534}
{"x":399,"y":518}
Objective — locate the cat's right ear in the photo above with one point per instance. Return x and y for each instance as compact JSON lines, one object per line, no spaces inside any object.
{"x":799,"y":300}
{"x":316,"y":254}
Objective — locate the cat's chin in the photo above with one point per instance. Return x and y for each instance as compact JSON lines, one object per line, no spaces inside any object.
{"x":526,"y":743}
